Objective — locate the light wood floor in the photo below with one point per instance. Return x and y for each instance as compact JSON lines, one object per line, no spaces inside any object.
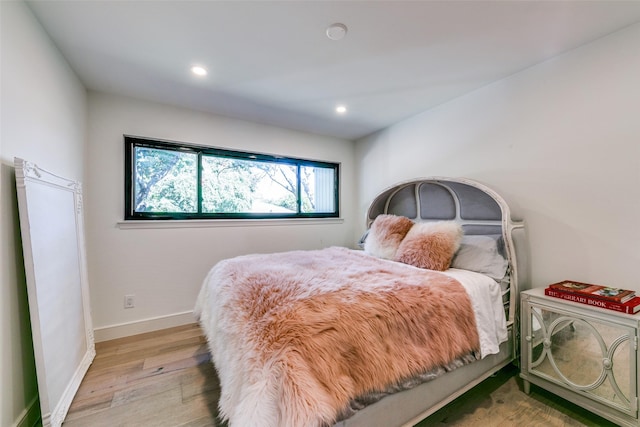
{"x":166,"y":378}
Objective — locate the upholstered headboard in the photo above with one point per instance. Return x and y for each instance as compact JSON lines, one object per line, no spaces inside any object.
{"x":480,"y":211}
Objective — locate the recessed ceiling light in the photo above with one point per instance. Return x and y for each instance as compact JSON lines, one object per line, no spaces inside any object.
{"x":341,"y":109}
{"x":336,"y":31}
{"x":198,"y":71}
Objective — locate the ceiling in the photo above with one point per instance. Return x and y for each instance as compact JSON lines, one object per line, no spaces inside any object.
{"x":271,"y":61}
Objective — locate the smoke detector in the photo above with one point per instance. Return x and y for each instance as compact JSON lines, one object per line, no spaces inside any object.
{"x":336,"y":31}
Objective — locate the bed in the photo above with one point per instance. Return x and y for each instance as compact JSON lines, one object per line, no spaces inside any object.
{"x":383,"y":336}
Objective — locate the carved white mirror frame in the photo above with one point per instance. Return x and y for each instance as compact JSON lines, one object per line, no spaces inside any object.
{"x":52,"y":229}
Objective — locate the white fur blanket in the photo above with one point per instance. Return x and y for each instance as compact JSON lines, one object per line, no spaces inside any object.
{"x":296,"y":335}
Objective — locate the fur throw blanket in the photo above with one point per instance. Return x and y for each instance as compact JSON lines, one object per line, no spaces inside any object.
{"x":295,"y":336}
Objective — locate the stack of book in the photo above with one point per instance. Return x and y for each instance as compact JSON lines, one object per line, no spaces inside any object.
{"x":622,"y":300}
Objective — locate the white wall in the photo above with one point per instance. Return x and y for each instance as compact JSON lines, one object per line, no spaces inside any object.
{"x":560,"y":141}
{"x":43,"y":120}
{"x":164,"y":268}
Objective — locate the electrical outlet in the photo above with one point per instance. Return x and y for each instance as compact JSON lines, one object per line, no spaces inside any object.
{"x":129,"y":301}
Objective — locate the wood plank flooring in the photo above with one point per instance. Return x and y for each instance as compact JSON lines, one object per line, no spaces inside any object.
{"x":166,"y":379}
{"x":162,"y":378}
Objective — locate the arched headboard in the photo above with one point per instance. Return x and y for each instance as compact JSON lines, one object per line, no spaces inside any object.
{"x":480,"y":211}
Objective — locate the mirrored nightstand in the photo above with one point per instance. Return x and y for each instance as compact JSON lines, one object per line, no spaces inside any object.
{"x":584,"y":354}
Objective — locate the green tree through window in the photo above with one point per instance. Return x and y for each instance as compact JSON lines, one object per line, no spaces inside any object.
{"x":166,"y":180}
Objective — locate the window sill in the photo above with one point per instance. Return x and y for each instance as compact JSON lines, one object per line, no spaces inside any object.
{"x":213,"y":223}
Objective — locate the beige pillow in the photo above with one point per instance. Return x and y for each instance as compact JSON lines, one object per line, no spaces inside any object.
{"x":430,"y":245}
{"x":385,"y":235}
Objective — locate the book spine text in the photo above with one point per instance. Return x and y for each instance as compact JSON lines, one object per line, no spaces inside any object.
{"x":589,"y":301}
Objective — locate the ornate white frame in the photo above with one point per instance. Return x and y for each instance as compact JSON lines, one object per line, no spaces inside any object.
{"x":52,"y":229}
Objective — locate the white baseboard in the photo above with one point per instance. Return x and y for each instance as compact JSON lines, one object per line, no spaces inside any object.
{"x":30,"y":415}
{"x":122,"y":330}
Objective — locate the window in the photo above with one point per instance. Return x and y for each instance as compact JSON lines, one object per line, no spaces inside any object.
{"x":167,"y":180}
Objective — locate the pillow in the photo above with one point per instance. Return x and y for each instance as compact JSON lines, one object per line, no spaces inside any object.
{"x":430,"y":245}
{"x":481,"y":254}
{"x":385,"y":235}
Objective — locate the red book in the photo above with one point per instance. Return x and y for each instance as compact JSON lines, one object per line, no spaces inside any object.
{"x":594,"y":291}
{"x":630,"y":307}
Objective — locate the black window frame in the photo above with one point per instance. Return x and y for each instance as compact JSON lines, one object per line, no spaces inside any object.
{"x":131,"y":142}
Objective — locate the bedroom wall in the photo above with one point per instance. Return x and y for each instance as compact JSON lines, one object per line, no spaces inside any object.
{"x":559,"y":141}
{"x":43,"y":113}
{"x":164,"y":268}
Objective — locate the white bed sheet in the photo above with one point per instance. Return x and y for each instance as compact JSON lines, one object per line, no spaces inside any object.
{"x":486,"y":298}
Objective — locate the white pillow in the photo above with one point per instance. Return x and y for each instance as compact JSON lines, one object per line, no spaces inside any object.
{"x":481,"y":254}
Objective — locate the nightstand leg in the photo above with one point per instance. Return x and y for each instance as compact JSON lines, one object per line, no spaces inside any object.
{"x":526,"y":386}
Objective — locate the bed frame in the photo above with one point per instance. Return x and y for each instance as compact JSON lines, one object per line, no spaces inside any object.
{"x":480,"y":211}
